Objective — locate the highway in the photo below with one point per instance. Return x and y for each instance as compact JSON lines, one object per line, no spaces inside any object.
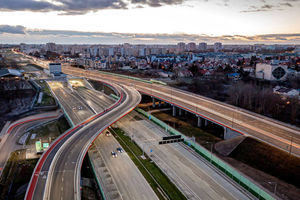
{"x":190,"y":173}
{"x":129,"y":183}
{"x":16,"y":130}
{"x":57,"y":175}
{"x":73,"y":104}
{"x":273,"y":132}
{"x":122,"y":178}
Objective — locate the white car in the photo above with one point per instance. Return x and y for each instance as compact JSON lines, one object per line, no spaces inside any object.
{"x":114,"y":154}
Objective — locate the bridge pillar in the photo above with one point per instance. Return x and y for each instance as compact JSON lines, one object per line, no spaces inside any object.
{"x":199,"y":122}
{"x":174,"y":111}
{"x":180,"y":112}
{"x":153,"y":102}
{"x":205,"y":122}
{"x":229,"y":134}
{"x":159,"y":104}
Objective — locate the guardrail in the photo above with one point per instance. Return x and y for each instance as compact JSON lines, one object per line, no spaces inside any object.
{"x":221,"y":165}
{"x":62,"y":107}
{"x":124,"y":76}
{"x":95,"y":174}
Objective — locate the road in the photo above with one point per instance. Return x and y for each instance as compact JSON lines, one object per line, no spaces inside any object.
{"x":128,"y":182}
{"x":278,"y":134}
{"x":16,"y":130}
{"x":73,"y":104}
{"x":57,"y":175}
{"x":192,"y":175}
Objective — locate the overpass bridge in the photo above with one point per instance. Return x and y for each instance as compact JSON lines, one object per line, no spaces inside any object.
{"x":234,"y":120}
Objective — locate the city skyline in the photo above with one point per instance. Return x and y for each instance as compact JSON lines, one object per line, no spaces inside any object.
{"x":150,"y":21}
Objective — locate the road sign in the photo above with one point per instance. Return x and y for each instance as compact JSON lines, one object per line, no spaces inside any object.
{"x":171,"y":141}
{"x":151,"y":150}
{"x":172,"y":137}
{"x":38,"y":146}
{"x":45,"y":145}
{"x":149,"y":117}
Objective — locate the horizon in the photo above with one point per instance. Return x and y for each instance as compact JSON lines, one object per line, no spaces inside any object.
{"x":150,"y":21}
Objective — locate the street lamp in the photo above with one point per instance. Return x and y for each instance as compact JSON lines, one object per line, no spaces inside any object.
{"x":211,"y":148}
{"x":275,"y":186}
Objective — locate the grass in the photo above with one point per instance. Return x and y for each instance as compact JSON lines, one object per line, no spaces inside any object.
{"x":17,"y":173}
{"x":154,"y":176}
{"x":269,"y":160}
{"x":52,"y":129}
{"x":47,"y":99}
{"x":185,"y":126}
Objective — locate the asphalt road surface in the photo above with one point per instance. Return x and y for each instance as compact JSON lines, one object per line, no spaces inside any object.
{"x":16,"y":130}
{"x":59,"y":176}
{"x":278,"y":134}
{"x":127,"y":178}
{"x":193,"y":176}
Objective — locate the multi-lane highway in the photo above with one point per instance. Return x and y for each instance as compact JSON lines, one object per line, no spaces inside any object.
{"x":128,"y":182}
{"x":73,"y":104}
{"x":9,"y":142}
{"x":192,"y":175}
{"x":276,"y":133}
{"x":122,"y":178}
{"x":57,"y":175}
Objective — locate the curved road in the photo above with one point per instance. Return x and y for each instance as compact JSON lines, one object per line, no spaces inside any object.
{"x":57,"y":175}
{"x":278,"y":134}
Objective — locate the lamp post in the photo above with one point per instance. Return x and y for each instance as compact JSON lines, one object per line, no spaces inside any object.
{"x":211,"y":148}
{"x":275,"y":186}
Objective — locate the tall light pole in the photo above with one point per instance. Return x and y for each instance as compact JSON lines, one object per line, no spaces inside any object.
{"x":211,"y":148}
{"x":275,"y":186}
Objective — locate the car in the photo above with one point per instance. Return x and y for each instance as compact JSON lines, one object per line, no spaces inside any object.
{"x":107,"y":133}
{"x":120,"y":150}
{"x":114,"y":154}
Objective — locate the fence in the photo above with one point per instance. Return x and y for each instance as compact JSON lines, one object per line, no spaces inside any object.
{"x":224,"y":167}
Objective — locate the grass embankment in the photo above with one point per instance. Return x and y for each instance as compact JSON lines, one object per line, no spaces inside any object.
{"x":100,"y":86}
{"x":16,"y":175}
{"x":269,"y":160}
{"x":184,"y":124}
{"x":51,"y":130}
{"x":47,"y":99}
{"x":159,"y":182}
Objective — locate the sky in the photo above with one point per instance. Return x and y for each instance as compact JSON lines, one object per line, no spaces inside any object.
{"x":150,"y":21}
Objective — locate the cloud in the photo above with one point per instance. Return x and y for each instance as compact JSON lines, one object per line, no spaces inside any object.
{"x":271,"y":5}
{"x":12,"y":29}
{"x":12,"y":33}
{"x":75,"y":7}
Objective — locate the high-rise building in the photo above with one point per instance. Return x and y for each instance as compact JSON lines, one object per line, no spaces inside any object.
{"x":181,"y":46}
{"x":218,"y":46}
{"x":111,"y":51}
{"x":191,"y":46}
{"x":202,"y":46}
{"x":50,"y":46}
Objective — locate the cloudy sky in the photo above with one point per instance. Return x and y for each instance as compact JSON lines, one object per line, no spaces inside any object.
{"x":150,"y":21}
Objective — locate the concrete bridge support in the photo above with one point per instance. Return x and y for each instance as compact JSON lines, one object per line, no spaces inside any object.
{"x":229,"y":134}
{"x":174,"y":111}
{"x":159,"y":104}
{"x":199,"y":122}
{"x":180,"y":111}
{"x":205,"y":122}
{"x":153,"y":102}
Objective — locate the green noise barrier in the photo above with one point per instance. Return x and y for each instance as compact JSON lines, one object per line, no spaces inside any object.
{"x":221,"y":165}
